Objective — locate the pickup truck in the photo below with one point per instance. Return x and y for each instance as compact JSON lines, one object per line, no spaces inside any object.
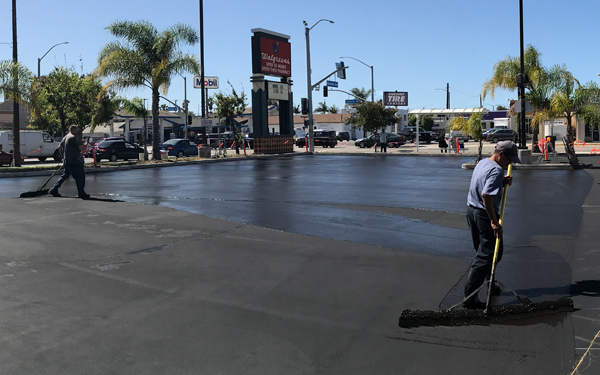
{"x":324,"y":138}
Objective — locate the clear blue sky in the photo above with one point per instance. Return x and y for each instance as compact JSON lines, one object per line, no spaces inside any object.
{"x":414,"y":46}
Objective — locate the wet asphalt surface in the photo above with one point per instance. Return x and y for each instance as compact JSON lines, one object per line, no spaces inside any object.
{"x":342,"y":198}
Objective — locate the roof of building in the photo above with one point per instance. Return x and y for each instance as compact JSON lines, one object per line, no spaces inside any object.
{"x":444,"y":111}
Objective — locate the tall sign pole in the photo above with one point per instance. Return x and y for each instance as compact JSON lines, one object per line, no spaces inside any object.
{"x":522,"y":140}
{"x":203,"y":97}
{"x":16,"y":120}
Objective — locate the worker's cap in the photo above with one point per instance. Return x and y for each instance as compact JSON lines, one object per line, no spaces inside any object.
{"x":510,"y":149}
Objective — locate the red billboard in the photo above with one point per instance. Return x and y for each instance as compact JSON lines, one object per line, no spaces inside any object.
{"x":275,"y":57}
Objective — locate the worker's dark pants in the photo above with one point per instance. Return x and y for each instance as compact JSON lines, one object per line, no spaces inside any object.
{"x":77,"y":171}
{"x":383,"y":146}
{"x":484,"y":240}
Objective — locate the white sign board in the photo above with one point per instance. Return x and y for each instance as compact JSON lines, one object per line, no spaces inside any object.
{"x":207,"y":123}
{"x":278,"y":91}
{"x":209,"y":83}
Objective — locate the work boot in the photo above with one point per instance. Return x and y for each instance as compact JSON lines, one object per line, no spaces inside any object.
{"x":496,"y":290}
{"x":474,"y":281}
{"x":54,"y":193}
{"x":84,"y":196}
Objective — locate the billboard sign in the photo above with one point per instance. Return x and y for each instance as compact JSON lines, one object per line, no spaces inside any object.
{"x":271,"y":54}
{"x":209,"y":83}
{"x":395,"y":99}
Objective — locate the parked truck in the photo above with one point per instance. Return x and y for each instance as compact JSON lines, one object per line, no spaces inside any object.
{"x":34,"y":144}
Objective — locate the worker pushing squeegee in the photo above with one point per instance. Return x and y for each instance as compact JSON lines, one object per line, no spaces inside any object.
{"x":485,"y":211}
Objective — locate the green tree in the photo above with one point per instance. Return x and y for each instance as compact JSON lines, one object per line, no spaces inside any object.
{"x":426,"y":122}
{"x":412,"y":120}
{"x":361,"y":93}
{"x":501,"y":108}
{"x":333,"y":109}
{"x":15,"y":85}
{"x":229,"y":107}
{"x":144,"y":57}
{"x":372,"y":117}
{"x":63,"y":98}
{"x":137,"y":108}
{"x":297,"y":110}
{"x":322,"y":107}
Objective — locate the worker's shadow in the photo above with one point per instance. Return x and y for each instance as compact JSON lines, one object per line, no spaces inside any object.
{"x":588,"y":288}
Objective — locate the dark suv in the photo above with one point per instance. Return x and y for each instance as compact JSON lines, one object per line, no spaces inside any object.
{"x":325,"y":138}
{"x":410,"y":135}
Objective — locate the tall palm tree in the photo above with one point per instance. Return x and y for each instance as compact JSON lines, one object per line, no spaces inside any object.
{"x":15,"y":85}
{"x":145,"y":57}
{"x":360,"y":93}
{"x":333,"y":109}
{"x":137,"y":108}
{"x":322,"y":107}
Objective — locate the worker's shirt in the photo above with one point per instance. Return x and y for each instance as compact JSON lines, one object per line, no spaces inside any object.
{"x":487,"y":179}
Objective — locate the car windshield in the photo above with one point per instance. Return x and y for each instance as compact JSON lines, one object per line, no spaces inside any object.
{"x":171,"y":142}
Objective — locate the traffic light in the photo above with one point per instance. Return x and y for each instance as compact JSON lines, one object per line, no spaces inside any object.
{"x":304,"y":105}
{"x":341,"y":71}
{"x":325,"y":91}
{"x":189,"y":119}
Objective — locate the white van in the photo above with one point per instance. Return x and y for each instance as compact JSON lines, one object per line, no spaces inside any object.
{"x":34,"y":144}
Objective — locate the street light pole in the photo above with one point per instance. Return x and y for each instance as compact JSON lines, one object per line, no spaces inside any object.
{"x":311,"y":143}
{"x":522,"y":139}
{"x":372,"y":80}
{"x":40,"y":59}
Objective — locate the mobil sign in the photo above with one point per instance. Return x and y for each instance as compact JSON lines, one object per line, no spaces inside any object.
{"x":209,"y":83}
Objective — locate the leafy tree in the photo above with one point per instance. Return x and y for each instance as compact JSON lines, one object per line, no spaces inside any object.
{"x":229,"y":107}
{"x":412,"y":120}
{"x":137,"y":108}
{"x":426,"y":122}
{"x":333,"y":109}
{"x":163,"y":107}
{"x":361,"y":93}
{"x":474,"y":128}
{"x":15,"y":85}
{"x":63,"y":98}
{"x":297,"y":110}
{"x":460,"y":124}
{"x":373,"y":116}
{"x":323,"y":108}
{"x":144,"y":57}
{"x":501,"y":108}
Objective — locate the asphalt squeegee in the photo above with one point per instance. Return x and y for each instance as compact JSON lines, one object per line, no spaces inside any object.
{"x":491,"y":314}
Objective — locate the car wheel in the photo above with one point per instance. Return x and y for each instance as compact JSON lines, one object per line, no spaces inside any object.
{"x":495,"y":140}
{"x":332,"y":146}
{"x":362,"y":145}
{"x":180,"y":154}
{"x":113,"y":158}
{"x":56,"y":156}
{"x":428,"y":142}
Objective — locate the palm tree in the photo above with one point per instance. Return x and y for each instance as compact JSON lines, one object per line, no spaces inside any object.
{"x":333,"y":109}
{"x":137,"y":108}
{"x":15,"y":85}
{"x":323,"y":108}
{"x":147,"y":58}
{"x":360,"y":93}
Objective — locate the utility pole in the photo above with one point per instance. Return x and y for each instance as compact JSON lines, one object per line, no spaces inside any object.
{"x":16,"y":120}
{"x":145,"y":137}
{"x":447,"y":96}
{"x":522,"y":139}
{"x":203,"y":96}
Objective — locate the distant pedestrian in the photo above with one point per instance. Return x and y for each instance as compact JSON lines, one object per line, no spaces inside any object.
{"x":383,"y":139}
{"x":443,"y":145}
{"x":483,"y":207}
{"x":72,"y":153}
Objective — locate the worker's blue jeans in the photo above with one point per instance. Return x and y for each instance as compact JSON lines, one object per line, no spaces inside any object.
{"x":77,"y":171}
{"x":484,"y":240}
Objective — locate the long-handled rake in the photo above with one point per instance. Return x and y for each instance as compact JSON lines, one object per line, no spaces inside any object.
{"x":42,"y":190}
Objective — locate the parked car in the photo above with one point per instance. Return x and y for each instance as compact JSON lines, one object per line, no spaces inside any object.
{"x":394,"y":140}
{"x":324,"y":138}
{"x":6,"y":158}
{"x":343,"y":136}
{"x":410,"y":135}
{"x":117,"y":149}
{"x":502,"y":135}
{"x":456,"y":134}
{"x":180,"y":147}
{"x":435,"y":136}
{"x":492,"y":130}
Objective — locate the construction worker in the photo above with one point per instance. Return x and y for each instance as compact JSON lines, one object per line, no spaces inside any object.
{"x":483,"y":207}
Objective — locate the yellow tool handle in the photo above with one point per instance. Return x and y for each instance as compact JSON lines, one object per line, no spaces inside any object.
{"x":497,"y":247}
